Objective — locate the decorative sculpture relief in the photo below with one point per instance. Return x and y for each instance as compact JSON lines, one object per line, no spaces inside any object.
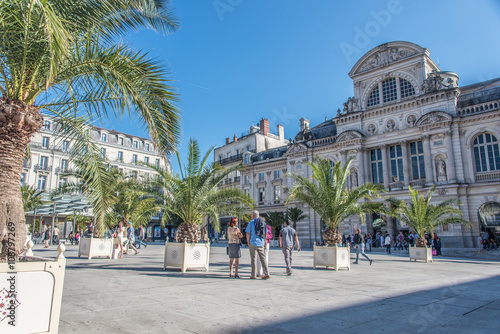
{"x":435,"y":82}
{"x":350,"y":106}
{"x":390,"y":125}
{"x":386,"y":56}
{"x":354,"y":178}
{"x":371,"y":129}
{"x":411,"y":120}
{"x":441,"y":169}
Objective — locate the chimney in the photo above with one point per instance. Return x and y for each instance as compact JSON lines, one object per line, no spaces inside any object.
{"x":264,"y":126}
{"x":235,"y":138}
{"x":304,"y":124}
{"x":281,"y":132}
{"x":228,"y":140}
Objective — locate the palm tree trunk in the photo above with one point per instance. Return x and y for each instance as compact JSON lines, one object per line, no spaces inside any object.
{"x":18,"y":122}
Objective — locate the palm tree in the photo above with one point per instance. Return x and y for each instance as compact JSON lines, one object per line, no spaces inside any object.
{"x":194,"y":194}
{"x":132,"y":203}
{"x":62,"y":57}
{"x":274,"y":218}
{"x":32,"y":198}
{"x":423,"y":217}
{"x":80,"y":220}
{"x":295,"y":214}
{"x":327,"y":194}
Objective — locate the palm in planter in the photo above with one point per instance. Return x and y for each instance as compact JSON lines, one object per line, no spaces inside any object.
{"x":194,"y":194}
{"x":62,"y":57}
{"x":423,"y":217}
{"x":327,"y":194}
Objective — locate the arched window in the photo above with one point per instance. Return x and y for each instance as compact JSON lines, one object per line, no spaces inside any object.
{"x":486,"y":153}
{"x":374,"y":98}
{"x":406,"y":88}
{"x":390,"y":90}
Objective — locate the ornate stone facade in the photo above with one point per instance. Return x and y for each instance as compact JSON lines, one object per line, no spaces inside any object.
{"x":408,"y":124}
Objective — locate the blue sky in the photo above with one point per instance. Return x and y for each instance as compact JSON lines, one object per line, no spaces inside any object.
{"x":236,"y":61}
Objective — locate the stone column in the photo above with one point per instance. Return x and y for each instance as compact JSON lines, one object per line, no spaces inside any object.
{"x":450,"y":164}
{"x":361,"y":167}
{"x":406,"y":165}
{"x":343,"y":158}
{"x":429,"y":174}
{"x":385,"y":166}
{"x":367,"y":165}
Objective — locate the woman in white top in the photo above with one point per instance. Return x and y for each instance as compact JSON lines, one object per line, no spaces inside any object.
{"x":119,"y":234}
{"x":388,"y":243}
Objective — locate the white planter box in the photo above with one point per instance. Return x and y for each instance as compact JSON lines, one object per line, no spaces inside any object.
{"x":334,"y":257}
{"x":95,"y":247}
{"x":37,"y":288}
{"x":186,"y":256}
{"x":421,"y":253}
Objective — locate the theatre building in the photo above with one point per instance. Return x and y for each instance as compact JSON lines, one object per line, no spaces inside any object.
{"x":408,"y":123}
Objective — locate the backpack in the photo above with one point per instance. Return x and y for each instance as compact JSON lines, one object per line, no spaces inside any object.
{"x":260,"y":227}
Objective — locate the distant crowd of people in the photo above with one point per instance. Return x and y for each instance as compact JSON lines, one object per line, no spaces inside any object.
{"x":395,"y":242}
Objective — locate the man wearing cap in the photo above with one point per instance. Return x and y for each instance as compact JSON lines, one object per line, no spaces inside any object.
{"x":287,"y":237}
{"x":131,"y":238}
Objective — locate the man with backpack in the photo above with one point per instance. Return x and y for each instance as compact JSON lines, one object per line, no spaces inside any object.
{"x":256,"y":233}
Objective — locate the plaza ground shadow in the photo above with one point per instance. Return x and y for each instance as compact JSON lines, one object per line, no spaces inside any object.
{"x":471,"y":307}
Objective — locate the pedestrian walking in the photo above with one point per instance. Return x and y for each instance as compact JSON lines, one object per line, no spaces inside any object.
{"x":46,"y":236}
{"x":119,"y":232}
{"x":288,"y":236}
{"x":480,"y":244}
{"x":269,"y":237}
{"x":140,"y":238}
{"x":256,"y":234}
{"x":359,"y":244}
{"x":387,"y":243}
{"x":234,"y":234}
{"x":131,"y":239}
{"x":55,"y":236}
{"x":437,"y":246}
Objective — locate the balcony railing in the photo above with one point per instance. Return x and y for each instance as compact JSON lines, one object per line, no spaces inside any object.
{"x":43,"y":168}
{"x":227,"y":181}
{"x":487,"y":176}
{"x":231,"y":159}
{"x":237,"y":179}
{"x":35,"y":144}
{"x":417,"y":183}
{"x":61,"y":170}
{"x":26,"y":164}
{"x":396,"y":185}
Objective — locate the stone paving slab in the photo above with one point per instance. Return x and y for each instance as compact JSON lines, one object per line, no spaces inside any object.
{"x":394,"y":295}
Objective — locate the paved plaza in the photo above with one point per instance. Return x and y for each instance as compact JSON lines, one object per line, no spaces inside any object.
{"x":135,"y":295}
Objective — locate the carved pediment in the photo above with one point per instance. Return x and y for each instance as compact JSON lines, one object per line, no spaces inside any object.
{"x":434,"y":118}
{"x":349,"y":135}
{"x":296,"y":148}
{"x":384,"y":55}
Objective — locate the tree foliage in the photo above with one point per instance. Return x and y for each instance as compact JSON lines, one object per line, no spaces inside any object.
{"x":327,"y":194}
{"x":423,"y":217}
{"x":194,"y":194}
